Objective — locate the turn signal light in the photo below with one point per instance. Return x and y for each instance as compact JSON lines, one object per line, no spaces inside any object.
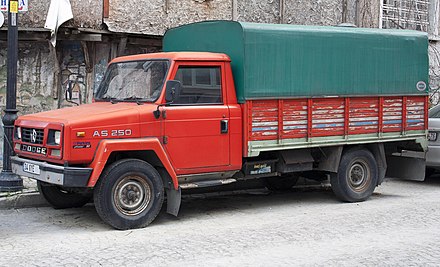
{"x":81,"y":134}
{"x":55,"y":153}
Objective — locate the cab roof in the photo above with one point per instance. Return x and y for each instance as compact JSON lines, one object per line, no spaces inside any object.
{"x":176,"y":56}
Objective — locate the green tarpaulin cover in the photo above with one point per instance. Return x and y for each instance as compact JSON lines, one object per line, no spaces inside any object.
{"x":286,"y":61}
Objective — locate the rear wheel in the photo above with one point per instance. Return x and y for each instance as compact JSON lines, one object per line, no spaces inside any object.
{"x":61,"y":198}
{"x":129,"y":194}
{"x":357,"y":176}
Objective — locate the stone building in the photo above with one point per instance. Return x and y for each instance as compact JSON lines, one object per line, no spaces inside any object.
{"x":103,"y":29}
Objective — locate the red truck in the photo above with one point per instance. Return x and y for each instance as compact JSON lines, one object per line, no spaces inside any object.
{"x":230,"y":101}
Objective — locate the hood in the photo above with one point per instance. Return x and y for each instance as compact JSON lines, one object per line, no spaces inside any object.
{"x":100,"y":113}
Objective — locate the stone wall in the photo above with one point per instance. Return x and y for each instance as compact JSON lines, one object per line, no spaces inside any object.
{"x":259,"y":11}
{"x":36,"y":83}
{"x":154,"y":17}
{"x":86,"y":14}
{"x":367,"y":13}
{"x":320,"y":12}
{"x":434,"y":72}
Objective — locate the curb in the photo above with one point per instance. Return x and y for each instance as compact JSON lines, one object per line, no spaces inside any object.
{"x":23,"y":200}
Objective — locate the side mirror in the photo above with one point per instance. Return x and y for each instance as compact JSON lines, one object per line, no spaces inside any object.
{"x":172,"y":90}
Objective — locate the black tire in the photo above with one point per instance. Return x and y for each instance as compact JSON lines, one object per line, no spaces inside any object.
{"x":129,"y":194}
{"x":357,"y":176}
{"x":282,"y":183}
{"x":61,"y":198}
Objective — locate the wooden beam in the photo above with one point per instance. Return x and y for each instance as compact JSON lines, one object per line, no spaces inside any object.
{"x":122,"y":46}
{"x":106,"y":9}
{"x":94,"y":37}
{"x":28,"y":36}
{"x":145,"y":41}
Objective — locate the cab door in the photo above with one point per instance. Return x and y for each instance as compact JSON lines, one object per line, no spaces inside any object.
{"x":196,"y":126}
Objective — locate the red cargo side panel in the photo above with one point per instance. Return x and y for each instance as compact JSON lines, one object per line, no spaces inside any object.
{"x":415,"y":113}
{"x":363,"y":115}
{"x":392,"y":114}
{"x":263,"y":120}
{"x":323,"y":117}
{"x":295,"y":117}
{"x":328,"y":117}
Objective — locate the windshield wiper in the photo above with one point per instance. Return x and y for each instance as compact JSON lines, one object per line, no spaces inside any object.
{"x":137,"y":99}
{"x":113,"y":100}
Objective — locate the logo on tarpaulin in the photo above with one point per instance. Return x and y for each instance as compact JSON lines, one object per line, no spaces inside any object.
{"x":421,"y":86}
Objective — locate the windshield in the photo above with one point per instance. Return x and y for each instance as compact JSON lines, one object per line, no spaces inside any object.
{"x":133,"y":81}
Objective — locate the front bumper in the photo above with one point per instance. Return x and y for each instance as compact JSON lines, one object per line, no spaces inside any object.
{"x":53,"y":174}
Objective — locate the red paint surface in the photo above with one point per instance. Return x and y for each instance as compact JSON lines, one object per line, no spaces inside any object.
{"x":108,"y":146}
{"x":195,"y":142}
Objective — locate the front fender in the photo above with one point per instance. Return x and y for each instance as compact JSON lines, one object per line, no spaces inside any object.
{"x":106,"y":147}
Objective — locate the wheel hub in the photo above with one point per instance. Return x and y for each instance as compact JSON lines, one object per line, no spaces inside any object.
{"x":132,"y":195}
{"x":358,"y":175}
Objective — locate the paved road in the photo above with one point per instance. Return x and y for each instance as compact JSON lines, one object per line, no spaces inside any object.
{"x":399,"y":225}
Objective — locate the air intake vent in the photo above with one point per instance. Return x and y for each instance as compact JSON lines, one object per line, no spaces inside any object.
{"x":33,"y":136}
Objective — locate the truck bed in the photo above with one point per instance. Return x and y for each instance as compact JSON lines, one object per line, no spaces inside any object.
{"x":311,"y":122}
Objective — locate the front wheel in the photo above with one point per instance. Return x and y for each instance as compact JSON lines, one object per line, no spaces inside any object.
{"x":129,"y":194}
{"x":357,"y":176}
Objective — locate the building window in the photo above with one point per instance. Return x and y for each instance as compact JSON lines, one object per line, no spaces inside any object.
{"x":405,"y":14}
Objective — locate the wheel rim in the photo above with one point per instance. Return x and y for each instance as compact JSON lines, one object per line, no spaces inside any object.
{"x":359,"y":175}
{"x":132,"y":195}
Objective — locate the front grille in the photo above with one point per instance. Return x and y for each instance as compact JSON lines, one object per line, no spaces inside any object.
{"x":34,"y":136}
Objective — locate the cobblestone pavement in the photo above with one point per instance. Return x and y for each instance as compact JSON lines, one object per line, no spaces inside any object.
{"x":399,"y":226}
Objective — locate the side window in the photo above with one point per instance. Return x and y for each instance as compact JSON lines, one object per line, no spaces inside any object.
{"x":200,"y":85}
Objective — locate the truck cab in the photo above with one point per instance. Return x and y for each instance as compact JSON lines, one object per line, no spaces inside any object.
{"x":196,"y":132}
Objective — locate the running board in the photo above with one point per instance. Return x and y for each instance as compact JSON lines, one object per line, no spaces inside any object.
{"x":207,"y":183}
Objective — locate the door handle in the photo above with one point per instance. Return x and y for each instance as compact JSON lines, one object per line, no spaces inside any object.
{"x":224,"y":128}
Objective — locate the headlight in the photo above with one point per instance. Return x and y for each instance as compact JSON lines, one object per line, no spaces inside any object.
{"x":57,"y":137}
{"x":54,"y":137}
{"x":18,"y":133}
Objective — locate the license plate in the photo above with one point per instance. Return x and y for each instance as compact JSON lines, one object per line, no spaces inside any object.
{"x":31,"y":168}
